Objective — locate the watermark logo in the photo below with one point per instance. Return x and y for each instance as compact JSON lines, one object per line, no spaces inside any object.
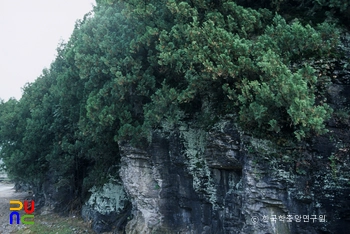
{"x":258,"y":219}
{"x":17,"y":205}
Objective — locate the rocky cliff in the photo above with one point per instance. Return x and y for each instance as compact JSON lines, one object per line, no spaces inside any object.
{"x":191,"y":117}
{"x":189,"y":180}
{"x":226,"y":182}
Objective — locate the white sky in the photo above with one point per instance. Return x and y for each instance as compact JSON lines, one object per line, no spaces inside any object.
{"x":30,"y":31}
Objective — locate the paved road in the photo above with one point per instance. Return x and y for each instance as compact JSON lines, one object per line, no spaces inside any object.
{"x":6,"y":190}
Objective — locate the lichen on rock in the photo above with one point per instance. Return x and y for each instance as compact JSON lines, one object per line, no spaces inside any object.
{"x":194,"y":141}
{"x":110,"y":198}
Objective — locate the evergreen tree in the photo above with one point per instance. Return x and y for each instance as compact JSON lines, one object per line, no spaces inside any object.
{"x":131,"y":66}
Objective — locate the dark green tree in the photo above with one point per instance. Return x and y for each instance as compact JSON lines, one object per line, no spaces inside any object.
{"x":131,"y":66}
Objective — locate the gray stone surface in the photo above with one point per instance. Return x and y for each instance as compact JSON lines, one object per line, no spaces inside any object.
{"x":240,"y":190}
{"x":224,"y":181}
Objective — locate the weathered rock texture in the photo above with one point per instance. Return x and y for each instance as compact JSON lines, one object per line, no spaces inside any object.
{"x":224,"y":181}
{"x":173,"y":193}
{"x":108,"y":208}
{"x":189,"y":180}
{"x":237,"y":184}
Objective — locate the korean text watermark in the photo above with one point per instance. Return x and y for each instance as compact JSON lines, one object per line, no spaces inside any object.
{"x":289,"y":218}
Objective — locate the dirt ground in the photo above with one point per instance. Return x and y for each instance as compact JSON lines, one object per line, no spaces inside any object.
{"x":7,"y":193}
{"x":44,"y":224}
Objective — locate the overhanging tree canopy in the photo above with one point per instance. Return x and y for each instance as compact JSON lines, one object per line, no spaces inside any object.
{"x":131,"y":65}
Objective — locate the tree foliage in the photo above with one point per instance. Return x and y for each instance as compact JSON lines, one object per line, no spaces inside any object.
{"x":130,"y":66}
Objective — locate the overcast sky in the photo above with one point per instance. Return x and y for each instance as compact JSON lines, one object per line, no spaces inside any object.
{"x":30,"y":31}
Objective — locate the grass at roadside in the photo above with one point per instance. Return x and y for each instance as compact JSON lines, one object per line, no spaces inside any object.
{"x":55,"y":224}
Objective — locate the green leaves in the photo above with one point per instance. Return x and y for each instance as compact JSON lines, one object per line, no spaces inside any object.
{"x":295,"y":42}
{"x":281,"y":96}
{"x":233,"y":48}
{"x":136,"y":65}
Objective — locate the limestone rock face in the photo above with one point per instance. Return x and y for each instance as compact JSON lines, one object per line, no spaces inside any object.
{"x":111,"y":198}
{"x":225,"y":181}
{"x":107,"y":208}
{"x":188,"y":180}
{"x":233,"y":183}
{"x":142,"y":181}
